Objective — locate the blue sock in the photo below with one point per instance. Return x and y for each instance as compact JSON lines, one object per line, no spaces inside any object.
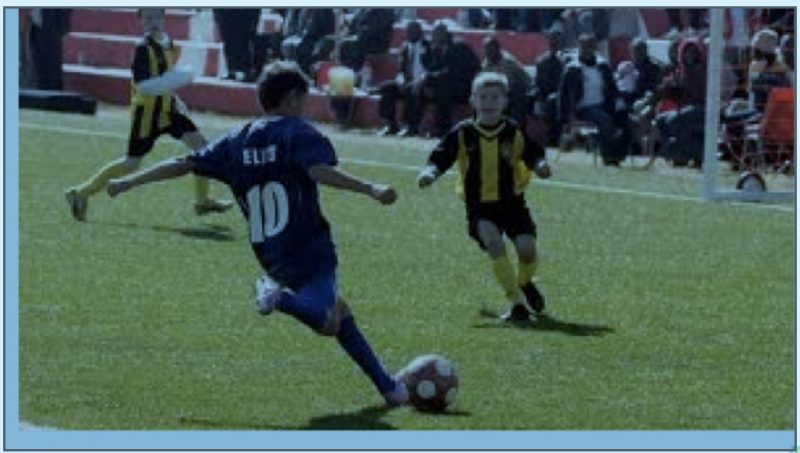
{"x":358,"y":349}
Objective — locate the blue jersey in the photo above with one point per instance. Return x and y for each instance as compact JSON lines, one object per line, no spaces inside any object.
{"x":266,"y":163}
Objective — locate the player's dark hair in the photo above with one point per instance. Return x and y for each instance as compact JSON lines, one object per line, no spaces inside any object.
{"x":278,"y":80}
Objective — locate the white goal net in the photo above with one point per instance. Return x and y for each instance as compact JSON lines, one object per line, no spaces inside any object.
{"x":749,"y":134}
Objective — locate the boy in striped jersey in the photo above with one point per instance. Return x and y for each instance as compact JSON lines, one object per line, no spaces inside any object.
{"x":494,"y":158}
{"x":155,"y":110}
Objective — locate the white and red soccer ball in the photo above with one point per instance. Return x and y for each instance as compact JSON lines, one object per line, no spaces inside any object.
{"x":432,"y":382}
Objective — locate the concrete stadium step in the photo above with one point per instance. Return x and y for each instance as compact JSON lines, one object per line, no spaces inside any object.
{"x":125,"y":21}
{"x":210,"y":94}
{"x":116,"y":51}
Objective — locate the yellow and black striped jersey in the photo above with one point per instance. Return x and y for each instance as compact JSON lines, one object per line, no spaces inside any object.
{"x":494,"y":162}
{"x":150,"y":113}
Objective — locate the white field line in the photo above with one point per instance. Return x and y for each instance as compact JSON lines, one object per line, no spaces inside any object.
{"x":26,"y":426}
{"x":412,"y":168}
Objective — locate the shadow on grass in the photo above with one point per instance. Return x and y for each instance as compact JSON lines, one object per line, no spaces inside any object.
{"x":368,"y":418}
{"x":545,"y":323}
{"x":210,"y":232}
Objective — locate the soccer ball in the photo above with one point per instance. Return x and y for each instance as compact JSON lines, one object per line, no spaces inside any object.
{"x":432,"y":383}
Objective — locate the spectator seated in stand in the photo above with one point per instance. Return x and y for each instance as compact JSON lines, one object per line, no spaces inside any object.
{"x":519,"y":82}
{"x":651,"y":111}
{"x":626,"y":78}
{"x":312,"y":37}
{"x":549,"y":68}
{"x":641,"y":102}
{"x":742,"y":119}
{"x":369,"y":32}
{"x":766,"y":69}
{"x":448,"y":81}
{"x":682,"y":129}
{"x":588,"y":93}
{"x":408,"y":84}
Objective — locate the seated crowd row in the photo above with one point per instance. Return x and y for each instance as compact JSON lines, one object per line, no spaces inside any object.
{"x":642,"y":105}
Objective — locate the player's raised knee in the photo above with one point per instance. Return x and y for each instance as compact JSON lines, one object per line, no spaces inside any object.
{"x":526,"y":249}
{"x":339,"y":312}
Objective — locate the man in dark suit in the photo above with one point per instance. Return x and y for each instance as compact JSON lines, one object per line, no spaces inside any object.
{"x":588,"y":93}
{"x":370,"y":32}
{"x":237,"y":27}
{"x":312,"y":40}
{"x":408,"y":82}
{"x":448,"y":81}
{"x":650,"y":71}
{"x":549,"y":68}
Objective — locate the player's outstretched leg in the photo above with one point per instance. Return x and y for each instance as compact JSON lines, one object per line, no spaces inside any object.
{"x":503,"y":272}
{"x":318,"y":306}
{"x":78,"y":197}
{"x":203,"y":203}
{"x":353,"y":342}
{"x":78,"y":204}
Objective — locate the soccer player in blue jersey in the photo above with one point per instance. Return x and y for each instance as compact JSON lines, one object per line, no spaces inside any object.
{"x":273,"y":165}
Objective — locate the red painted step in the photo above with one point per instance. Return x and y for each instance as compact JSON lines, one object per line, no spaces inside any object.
{"x":656,"y":21}
{"x":125,"y":21}
{"x":433,"y":14}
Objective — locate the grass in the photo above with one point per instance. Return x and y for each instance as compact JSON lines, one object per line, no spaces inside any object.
{"x":665,"y":313}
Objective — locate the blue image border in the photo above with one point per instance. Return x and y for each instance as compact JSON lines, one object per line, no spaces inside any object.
{"x":18,"y":439}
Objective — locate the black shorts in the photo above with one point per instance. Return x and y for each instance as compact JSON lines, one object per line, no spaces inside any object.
{"x":511,"y":217}
{"x":178,"y":126}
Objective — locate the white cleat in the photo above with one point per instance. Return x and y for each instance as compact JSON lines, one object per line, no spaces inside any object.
{"x":268,"y":293}
{"x":398,"y":396}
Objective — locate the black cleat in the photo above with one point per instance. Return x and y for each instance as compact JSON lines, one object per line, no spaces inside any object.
{"x":533,"y":296}
{"x":516,"y":314}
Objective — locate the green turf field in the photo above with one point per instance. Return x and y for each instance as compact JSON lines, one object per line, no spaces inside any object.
{"x":667,"y":312}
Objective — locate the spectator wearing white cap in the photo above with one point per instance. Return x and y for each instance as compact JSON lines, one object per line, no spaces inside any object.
{"x":766,"y":69}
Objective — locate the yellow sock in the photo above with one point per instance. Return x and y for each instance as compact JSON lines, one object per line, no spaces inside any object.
{"x":99,"y":181}
{"x":200,"y":189}
{"x":504,"y":273}
{"x":525,"y":272}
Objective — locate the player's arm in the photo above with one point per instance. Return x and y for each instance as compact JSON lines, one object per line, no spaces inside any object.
{"x":165,"y":83}
{"x":338,"y":179}
{"x":167,"y":169}
{"x":440,"y":160}
{"x":534,"y":157}
{"x":156,"y":85}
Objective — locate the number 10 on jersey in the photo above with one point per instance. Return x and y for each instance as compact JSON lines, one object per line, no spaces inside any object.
{"x":269,"y":211}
